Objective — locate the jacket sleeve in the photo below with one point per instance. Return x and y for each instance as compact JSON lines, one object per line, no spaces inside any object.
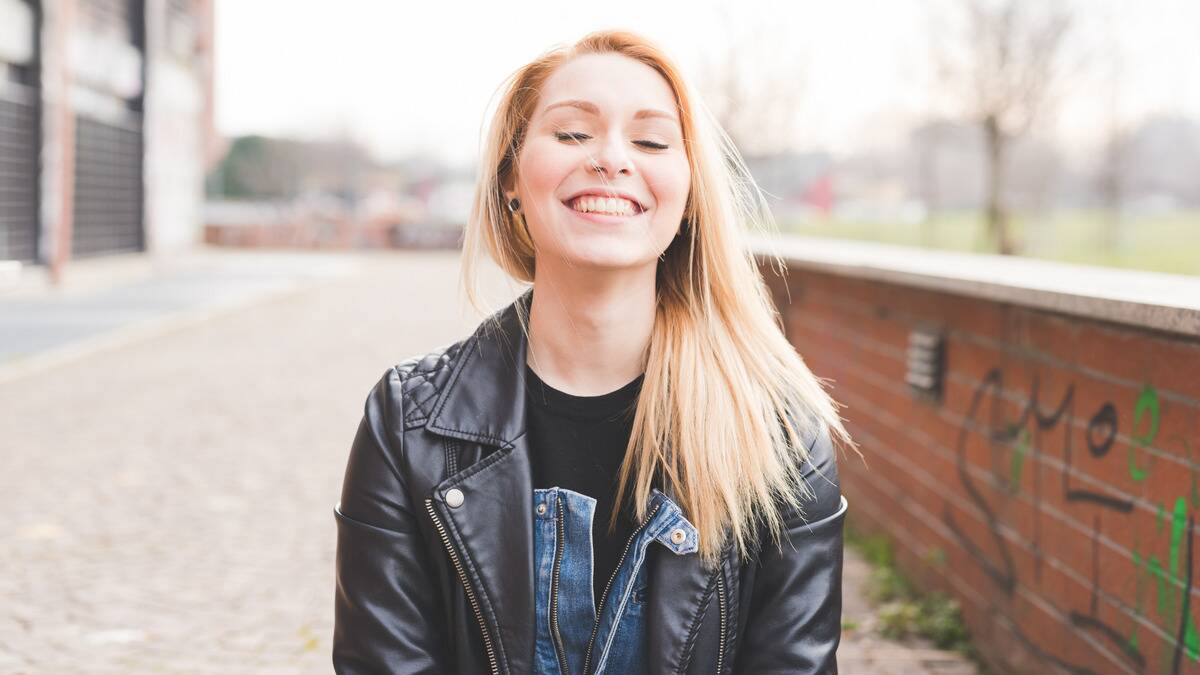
{"x":795,"y":620}
{"x":386,"y":610}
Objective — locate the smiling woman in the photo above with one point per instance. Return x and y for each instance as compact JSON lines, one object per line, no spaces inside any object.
{"x":627,"y":470}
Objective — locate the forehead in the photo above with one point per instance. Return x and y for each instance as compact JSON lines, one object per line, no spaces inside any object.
{"x":616,"y":84}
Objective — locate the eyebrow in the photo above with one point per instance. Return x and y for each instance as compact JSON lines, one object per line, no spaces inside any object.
{"x":589,"y":107}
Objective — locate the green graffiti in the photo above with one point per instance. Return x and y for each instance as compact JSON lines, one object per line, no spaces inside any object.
{"x":1137,"y":591}
{"x":1158,"y":518}
{"x":1178,"y":530}
{"x":1178,"y":526}
{"x":1169,"y":586}
{"x":1160,"y":585}
{"x":1147,"y":401}
{"x":1191,"y":641}
{"x":1018,"y":458}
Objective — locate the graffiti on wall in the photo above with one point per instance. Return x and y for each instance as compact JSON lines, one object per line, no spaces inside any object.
{"x":1167,"y":573}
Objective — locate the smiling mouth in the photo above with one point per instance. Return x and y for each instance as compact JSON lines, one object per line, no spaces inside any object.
{"x":600,"y":209}
{"x":602,"y":217}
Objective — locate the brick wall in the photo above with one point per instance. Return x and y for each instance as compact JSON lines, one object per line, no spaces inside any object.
{"x":1051,"y":486}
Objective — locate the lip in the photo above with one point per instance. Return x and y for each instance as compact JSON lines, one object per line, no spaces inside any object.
{"x":604,"y":219}
{"x":604,"y":192}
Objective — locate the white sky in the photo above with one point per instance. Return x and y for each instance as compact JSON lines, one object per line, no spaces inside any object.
{"x":419,"y":77}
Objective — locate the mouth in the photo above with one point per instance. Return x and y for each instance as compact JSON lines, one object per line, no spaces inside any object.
{"x":599,"y":209}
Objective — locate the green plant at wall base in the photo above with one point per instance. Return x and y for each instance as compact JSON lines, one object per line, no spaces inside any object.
{"x":875,"y":548}
{"x":887,"y":585}
{"x":898,"y":619}
{"x":940,"y":619}
{"x":902,"y":611}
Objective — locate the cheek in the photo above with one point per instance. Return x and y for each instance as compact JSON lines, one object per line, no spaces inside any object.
{"x":542,"y":169}
{"x":671,"y":183}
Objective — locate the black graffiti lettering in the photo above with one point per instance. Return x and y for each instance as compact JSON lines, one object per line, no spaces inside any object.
{"x":1004,"y":577}
{"x":1090,"y":620}
{"x":1102,"y":429}
{"x":999,"y":567}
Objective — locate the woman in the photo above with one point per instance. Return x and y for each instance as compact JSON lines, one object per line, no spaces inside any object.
{"x":628,"y":469}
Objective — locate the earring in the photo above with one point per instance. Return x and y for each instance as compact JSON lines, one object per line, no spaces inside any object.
{"x":522,"y":228}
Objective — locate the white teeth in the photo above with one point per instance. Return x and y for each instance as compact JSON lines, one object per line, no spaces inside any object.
{"x":607,"y":205}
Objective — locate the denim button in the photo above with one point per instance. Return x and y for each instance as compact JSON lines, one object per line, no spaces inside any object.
{"x":541,"y":509}
{"x":454,"y":497}
{"x":679,"y":536}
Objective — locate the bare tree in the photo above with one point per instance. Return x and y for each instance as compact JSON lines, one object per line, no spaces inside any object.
{"x":1003,"y":68}
{"x":753,"y":84}
{"x":1112,"y":176}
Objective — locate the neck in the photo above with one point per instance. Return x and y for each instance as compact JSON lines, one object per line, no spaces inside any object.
{"x":590,"y":340}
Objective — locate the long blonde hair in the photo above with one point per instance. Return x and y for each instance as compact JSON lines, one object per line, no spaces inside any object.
{"x":725,"y":398}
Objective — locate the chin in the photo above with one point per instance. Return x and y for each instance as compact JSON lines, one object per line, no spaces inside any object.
{"x":608,"y":257}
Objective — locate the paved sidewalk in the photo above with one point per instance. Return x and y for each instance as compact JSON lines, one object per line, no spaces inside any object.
{"x":111,"y":301}
{"x":168,"y":502}
{"x":168,"y":497}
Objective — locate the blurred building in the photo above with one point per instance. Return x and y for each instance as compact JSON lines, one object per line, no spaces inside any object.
{"x":106,"y":126}
{"x":795,"y":184}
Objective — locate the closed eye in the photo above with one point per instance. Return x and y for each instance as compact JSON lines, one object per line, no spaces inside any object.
{"x":579,"y":137}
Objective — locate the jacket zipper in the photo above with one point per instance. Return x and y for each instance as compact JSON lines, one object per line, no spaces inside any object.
{"x":587,"y":661}
{"x":559,"y":650}
{"x":721,"y":609}
{"x":487,"y":640}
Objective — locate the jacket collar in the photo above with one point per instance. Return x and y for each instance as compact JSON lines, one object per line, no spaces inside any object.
{"x":484,"y":401}
{"x":485,"y":398}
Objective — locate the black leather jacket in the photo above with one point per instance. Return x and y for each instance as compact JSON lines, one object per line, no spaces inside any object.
{"x":427,"y":587}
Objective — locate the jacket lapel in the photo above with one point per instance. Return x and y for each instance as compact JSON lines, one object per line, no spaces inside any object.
{"x":493,"y":527}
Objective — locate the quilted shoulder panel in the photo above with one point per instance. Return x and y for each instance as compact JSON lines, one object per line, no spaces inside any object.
{"x":422,"y":378}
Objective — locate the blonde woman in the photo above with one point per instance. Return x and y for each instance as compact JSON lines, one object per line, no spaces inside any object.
{"x":628,"y":470}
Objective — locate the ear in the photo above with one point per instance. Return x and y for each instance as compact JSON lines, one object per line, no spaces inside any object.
{"x":508,"y":185}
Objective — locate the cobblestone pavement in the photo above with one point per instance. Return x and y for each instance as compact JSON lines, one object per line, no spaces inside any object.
{"x":168,"y":503}
{"x":169,"y":500}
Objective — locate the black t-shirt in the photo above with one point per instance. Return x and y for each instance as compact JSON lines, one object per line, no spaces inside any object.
{"x":578,"y":443}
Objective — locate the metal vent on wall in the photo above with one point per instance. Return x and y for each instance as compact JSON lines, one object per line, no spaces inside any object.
{"x":925,"y":361}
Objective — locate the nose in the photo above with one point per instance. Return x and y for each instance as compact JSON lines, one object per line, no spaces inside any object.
{"x":611,"y":159}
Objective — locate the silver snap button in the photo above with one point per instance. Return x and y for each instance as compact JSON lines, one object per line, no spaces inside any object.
{"x":454,"y":497}
{"x":541,"y":509}
{"x":679,"y":536}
